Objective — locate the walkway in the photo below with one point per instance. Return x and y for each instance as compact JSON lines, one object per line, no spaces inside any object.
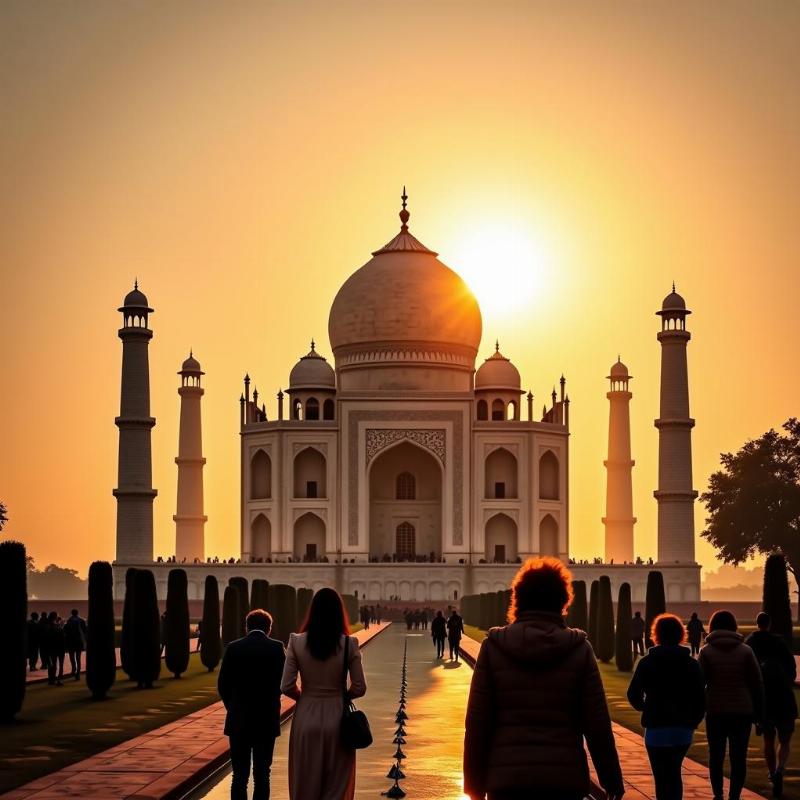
{"x":436,"y":703}
{"x":40,"y":675}
{"x":163,"y":763}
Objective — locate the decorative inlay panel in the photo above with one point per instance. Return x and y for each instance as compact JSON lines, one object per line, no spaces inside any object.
{"x":453,"y":417}
{"x":380,"y":438}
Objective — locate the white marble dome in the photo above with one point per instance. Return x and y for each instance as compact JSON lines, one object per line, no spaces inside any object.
{"x":497,"y":373}
{"x":312,"y":371}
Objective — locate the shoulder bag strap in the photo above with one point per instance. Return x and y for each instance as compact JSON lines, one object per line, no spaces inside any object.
{"x":346,"y":664}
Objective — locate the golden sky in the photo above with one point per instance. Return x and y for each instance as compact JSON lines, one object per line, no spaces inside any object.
{"x":242,"y":159}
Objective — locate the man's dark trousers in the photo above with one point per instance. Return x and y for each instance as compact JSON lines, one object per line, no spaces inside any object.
{"x":243,"y":749}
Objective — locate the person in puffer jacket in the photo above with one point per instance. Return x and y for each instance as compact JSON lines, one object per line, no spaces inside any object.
{"x":734,"y":701}
{"x":536,"y":693}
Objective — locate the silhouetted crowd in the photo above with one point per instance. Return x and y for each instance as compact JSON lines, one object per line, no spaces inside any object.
{"x":51,"y":639}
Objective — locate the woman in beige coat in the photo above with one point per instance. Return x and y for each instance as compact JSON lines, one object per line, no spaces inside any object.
{"x":320,"y":768}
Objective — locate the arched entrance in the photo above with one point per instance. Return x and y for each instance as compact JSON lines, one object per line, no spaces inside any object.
{"x":501,"y":539}
{"x":309,"y":473}
{"x":405,"y":486}
{"x":260,"y":538}
{"x":548,"y":536}
{"x":309,"y":538}
{"x":501,"y":475}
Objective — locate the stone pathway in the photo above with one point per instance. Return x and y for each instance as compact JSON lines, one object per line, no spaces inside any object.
{"x":638,"y":779}
{"x":436,"y":704}
{"x":166,"y":762}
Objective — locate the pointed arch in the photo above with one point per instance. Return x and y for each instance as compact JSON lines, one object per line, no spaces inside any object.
{"x":328,"y":409}
{"x":261,"y":538}
{"x":260,"y":476}
{"x":310,"y":470}
{"x":406,"y":486}
{"x":549,"y":477}
{"x":309,"y":538}
{"x":501,"y":539}
{"x":500,"y":474}
{"x":548,"y":536}
{"x":498,"y":410}
{"x":312,"y":409}
{"x":483,"y":410}
{"x":405,"y":541}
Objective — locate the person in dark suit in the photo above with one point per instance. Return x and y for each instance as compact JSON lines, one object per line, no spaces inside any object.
{"x":455,"y":629}
{"x":75,"y":639}
{"x":249,"y":684}
{"x":33,"y":641}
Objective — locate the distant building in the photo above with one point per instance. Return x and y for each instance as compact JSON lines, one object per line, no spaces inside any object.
{"x":401,"y":470}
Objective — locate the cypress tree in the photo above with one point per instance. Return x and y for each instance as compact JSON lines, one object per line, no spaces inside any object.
{"x":240,"y":584}
{"x":101,"y":659}
{"x":775,"y":599}
{"x":14,"y":605}
{"x":259,"y":594}
{"x":624,"y":650}
{"x":210,"y":645}
{"x":303,"y":602}
{"x":146,"y":632}
{"x":125,"y":653}
{"x":177,"y":623}
{"x":230,"y":615}
{"x":594,"y":609}
{"x":655,"y":602}
{"x":605,"y":621}
{"x":577,"y":615}
{"x":485,"y":611}
{"x":283,"y":601}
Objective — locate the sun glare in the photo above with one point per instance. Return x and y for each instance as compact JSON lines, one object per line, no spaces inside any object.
{"x":505,"y":264}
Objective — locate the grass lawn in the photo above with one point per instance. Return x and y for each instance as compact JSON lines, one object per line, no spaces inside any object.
{"x":61,"y":724}
{"x":616,"y":685}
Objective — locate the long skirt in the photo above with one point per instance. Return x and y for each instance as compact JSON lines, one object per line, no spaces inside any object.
{"x":319,"y":767}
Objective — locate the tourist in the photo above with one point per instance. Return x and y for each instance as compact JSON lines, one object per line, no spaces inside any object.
{"x":734,"y":700}
{"x":778,"y":671}
{"x":455,"y":629}
{"x":637,"y":634}
{"x":439,"y":633}
{"x":56,"y":651}
{"x":249,"y":684}
{"x":33,"y":641}
{"x":75,"y":641}
{"x":536,"y":694}
{"x":668,"y":689}
{"x":696,"y":633}
{"x":44,"y":640}
{"x":319,"y":764}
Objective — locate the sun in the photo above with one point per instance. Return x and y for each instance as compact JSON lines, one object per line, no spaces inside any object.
{"x":505,"y":264}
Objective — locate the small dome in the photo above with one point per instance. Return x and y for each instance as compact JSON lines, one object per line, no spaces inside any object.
{"x":673,"y":302}
{"x":497,"y":372}
{"x":136,"y":299}
{"x":312,"y":371}
{"x":619,"y":371}
{"x":192,"y":365}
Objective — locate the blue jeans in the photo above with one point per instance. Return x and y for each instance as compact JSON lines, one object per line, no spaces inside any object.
{"x":260,"y":749}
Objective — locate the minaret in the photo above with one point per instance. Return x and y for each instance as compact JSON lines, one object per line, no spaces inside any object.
{"x":134,"y":490}
{"x":675,"y":494}
{"x":189,"y":518}
{"x":619,"y":519}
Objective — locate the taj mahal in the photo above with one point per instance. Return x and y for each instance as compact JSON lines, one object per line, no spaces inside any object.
{"x":400,"y":468}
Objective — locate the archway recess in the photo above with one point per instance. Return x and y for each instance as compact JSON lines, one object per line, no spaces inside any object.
{"x":309,"y":538}
{"x":501,"y":539}
{"x":389,"y":507}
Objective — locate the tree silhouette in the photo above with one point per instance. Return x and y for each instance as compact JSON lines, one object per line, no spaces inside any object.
{"x":605,"y":621}
{"x":283,"y":607}
{"x":3,"y":515}
{"x":14,"y":602}
{"x":176,"y":638}
{"x":776,"y":596}
{"x":231,"y":629}
{"x":101,"y":659}
{"x":259,"y":594}
{"x":623,"y":651}
{"x":594,"y":613}
{"x":243,"y":602}
{"x":126,"y":636}
{"x":753,"y":502}
{"x":146,"y":632}
{"x":655,"y":602}
{"x":211,"y":646}
{"x":303,"y":602}
{"x":577,"y":616}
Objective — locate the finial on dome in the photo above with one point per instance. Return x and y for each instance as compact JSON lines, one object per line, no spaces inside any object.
{"x":497,"y":345}
{"x":673,"y":287}
{"x":191,"y":353}
{"x":313,"y":346}
{"x":404,"y":214}
{"x":136,"y":283}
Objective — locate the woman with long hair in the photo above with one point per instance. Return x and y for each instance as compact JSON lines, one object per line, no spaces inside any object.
{"x":668,"y":689}
{"x":320,"y":767}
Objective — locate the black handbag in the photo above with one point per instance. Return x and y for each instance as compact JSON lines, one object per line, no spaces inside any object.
{"x":355,"y":731}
